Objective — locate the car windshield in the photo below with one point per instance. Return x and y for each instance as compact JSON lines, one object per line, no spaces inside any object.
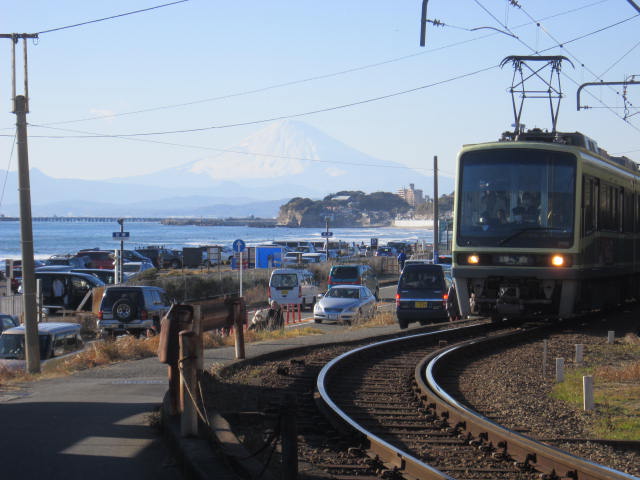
{"x":416,"y":278}
{"x":345,"y":272}
{"x":344,"y":293}
{"x":516,"y":197}
{"x":128,"y":267}
{"x":12,"y":346}
{"x":284,"y":280}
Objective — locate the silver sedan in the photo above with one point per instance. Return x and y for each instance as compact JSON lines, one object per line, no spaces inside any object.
{"x":344,"y":304}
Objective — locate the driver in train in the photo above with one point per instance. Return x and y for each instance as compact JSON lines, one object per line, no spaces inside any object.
{"x":527,"y":211}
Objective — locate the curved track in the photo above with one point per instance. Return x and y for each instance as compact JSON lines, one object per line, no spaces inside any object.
{"x":388,"y":394}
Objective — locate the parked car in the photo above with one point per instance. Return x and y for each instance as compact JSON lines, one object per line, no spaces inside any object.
{"x":7,"y":322}
{"x":98,"y":258}
{"x":386,"y":252}
{"x":345,"y":304}
{"x":56,"y":341}
{"x":134,"y":256}
{"x":293,"y":287}
{"x":131,"y":269}
{"x":421,"y":295}
{"x":354,"y":274}
{"x":133,"y":309}
{"x":66,"y":290}
{"x":162,"y":257}
{"x":106,"y":275}
{"x":73,"y":261}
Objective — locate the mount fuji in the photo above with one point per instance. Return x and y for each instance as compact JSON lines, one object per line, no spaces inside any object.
{"x":282,"y":160}
{"x":288,"y":157}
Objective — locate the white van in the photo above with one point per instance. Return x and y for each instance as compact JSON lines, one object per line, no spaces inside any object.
{"x":293,"y":286}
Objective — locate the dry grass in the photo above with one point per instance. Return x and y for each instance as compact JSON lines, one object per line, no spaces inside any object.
{"x":380,"y":319}
{"x":624,"y":373}
{"x":616,"y":373}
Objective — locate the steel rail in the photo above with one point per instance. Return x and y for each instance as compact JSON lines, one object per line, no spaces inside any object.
{"x":528,"y":452}
{"x":410,"y":466}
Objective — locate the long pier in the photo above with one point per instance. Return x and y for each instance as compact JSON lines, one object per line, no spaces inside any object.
{"x":86,"y":219}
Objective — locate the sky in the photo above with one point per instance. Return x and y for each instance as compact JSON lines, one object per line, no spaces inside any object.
{"x":234,"y":65}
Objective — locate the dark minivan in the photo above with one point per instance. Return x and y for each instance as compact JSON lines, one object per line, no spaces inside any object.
{"x":421,"y":295}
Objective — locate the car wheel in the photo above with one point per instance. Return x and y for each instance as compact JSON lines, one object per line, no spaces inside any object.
{"x":303,"y":306}
{"x":124,"y":310}
{"x":175,"y":264}
{"x":317,"y":320}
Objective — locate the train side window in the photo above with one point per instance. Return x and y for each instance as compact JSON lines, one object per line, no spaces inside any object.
{"x":588,"y":203}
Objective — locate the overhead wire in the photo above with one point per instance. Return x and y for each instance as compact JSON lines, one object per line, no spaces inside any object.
{"x":221,"y":150}
{"x":111,"y":17}
{"x":302,"y":114}
{"x":313,"y":78}
{"x":6,"y":176}
{"x":562,"y":45}
{"x":369,"y":100}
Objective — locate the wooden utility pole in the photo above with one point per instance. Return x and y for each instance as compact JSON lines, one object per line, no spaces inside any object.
{"x":21,"y":108}
{"x":436,"y":232}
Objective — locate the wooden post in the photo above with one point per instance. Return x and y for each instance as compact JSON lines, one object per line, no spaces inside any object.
{"x":289,"y":438}
{"x":173,"y":372}
{"x":188,"y":383}
{"x":238,"y":324}
{"x":611,"y":337}
{"x":197,"y":329}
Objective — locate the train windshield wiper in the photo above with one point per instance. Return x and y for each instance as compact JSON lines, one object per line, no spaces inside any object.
{"x":517,"y":233}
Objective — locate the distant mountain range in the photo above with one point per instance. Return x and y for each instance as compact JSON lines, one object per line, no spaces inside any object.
{"x":283,"y":160}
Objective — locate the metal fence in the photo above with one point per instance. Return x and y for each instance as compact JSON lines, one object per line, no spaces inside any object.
{"x":11,"y":305}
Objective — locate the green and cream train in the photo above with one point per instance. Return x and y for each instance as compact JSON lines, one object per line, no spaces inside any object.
{"x":546,"y":224}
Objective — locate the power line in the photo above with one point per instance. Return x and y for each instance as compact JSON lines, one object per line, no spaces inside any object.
{"x":6,"y":176}
{"x":302,"y":114}
{"x":283,"y":117}
{"x":620,"y":59}
{"x":111,"y":17}
{"x":222,"y":150}
{"x":313,"y":78}
{"x":562,"y":45}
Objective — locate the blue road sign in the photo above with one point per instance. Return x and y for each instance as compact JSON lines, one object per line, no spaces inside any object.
{"x":326,"y":234}
{"x":120,"y":234}
{"x":238,"y":246}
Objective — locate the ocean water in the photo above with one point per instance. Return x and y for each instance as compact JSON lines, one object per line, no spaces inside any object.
{"x":51,"y":238}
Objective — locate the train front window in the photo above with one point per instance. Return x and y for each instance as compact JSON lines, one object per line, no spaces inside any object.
{"x":516,"y":198}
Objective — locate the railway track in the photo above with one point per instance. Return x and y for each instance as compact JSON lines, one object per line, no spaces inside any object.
{"x":391,"y":396}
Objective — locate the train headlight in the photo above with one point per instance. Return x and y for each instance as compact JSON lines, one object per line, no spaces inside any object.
{"x":558,"y":261}
{"x":473,"y":259}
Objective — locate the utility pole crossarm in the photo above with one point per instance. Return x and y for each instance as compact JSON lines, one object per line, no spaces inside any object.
{"x":17,"y":36}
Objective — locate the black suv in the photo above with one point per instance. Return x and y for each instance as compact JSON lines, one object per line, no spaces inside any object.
{"x":162,"y":257}
{"x":133,"y":309}
{"x":421,"y":295}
